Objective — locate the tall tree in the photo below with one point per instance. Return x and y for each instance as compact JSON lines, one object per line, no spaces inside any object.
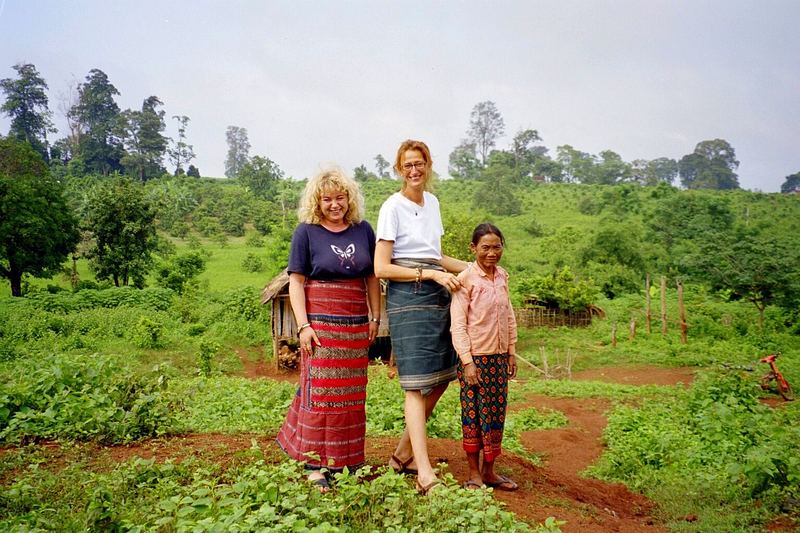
{"x":710,"y":166}
{"x":611,"y":169}
{"x":463,"y":162}
{"x":759,"y":268}
{"x":382,"y":165}
{"x":791,"y":183}
{"x":144,"y":140}
{"x":122,"y":221}
{"x":181,"y":153}
{"x":261,"y":175}
{"x":485,"y":127}
{"x":497,"y":194}
{"x":101,"y":124}
{"x":576,"y":166}
{"x":37,"y":228}
{"x":361,"y":174}
{"x":26,"y":104}
{"x":526,"y":153}
{"x":238,"y":150}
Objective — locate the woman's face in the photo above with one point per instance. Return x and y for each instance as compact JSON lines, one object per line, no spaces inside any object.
{"x":488,"y":251}
{"x":333,"y":205}
{"x":414,"y":170}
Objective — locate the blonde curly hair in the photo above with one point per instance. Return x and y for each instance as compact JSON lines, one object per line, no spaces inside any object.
{"x":331,"y":179}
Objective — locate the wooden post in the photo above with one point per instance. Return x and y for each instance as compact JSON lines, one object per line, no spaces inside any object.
{"x":648,"y":313}
{"x":663,"y":305}
{"x":614,"y":334}
{"x":682,"y":311}
{"x":632,"y":333}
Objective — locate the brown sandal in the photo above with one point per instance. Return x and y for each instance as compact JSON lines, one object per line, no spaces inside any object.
{"x":423,"y":490}
{"x":403,"y":465}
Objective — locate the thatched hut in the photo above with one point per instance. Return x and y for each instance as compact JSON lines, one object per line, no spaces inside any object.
{"x":284,"y":326}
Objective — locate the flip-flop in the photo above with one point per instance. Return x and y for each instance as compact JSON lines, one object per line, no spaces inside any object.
{"x":502,"y":483}
{"x":321,"y":483}
{"x":423,"y":490}
{"x":403,"y":468}
{"x":472,"y":485}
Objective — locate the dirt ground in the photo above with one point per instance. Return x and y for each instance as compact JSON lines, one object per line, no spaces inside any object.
{"x":553,"y":489}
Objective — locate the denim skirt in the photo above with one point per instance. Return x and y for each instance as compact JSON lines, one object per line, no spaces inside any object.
{"x":419,"y":325}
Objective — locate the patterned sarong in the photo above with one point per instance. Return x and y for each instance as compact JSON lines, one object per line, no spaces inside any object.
{"x":326,"y":422}
{"x":419,"y":325}
{"x":483,"y":406}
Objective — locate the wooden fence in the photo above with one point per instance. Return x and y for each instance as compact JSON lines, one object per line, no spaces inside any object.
{"x":533,"y":317}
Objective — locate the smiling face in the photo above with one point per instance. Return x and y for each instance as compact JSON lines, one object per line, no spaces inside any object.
{"x":414,"y":169}
{"x":488,"y":251}
{"x":333,"y":204}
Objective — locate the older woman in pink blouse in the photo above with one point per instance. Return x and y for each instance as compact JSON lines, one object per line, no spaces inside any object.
{"x":484,"y":334}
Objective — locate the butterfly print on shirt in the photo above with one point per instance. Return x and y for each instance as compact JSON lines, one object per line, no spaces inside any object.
{"x":345,"y":255}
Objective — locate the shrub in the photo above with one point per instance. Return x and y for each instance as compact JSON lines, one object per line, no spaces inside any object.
{"x":148,"y":334}
{"x":252,"y":263}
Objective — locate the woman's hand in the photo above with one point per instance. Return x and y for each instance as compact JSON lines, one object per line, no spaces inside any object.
{"x":308,"y":340}
{"x":446,"y":279}
{"x":471,"y":374}
{"x":373,"y":331}
{"x":512,"y":366}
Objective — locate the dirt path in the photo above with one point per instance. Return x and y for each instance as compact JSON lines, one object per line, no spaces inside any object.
{"x":555,"y":488}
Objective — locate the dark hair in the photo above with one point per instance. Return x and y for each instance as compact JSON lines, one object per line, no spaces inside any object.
{"x":487,"y":229}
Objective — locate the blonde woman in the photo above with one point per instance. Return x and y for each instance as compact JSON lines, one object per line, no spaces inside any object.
{"x":409,"y":255}
{"x":335,"y":298}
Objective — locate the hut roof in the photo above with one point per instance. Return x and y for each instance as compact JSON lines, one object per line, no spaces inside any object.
{"x":275,"y":286}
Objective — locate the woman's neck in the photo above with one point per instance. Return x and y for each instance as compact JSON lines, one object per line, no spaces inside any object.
{"x":415,"y":195}
{"x":489,"y":271}
{"x":333,"y":226}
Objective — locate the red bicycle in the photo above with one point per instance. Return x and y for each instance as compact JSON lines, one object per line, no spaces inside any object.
{"x":784,"y":389}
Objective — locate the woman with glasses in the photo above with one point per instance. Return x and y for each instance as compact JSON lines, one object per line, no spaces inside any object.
{"x":409,"y":254}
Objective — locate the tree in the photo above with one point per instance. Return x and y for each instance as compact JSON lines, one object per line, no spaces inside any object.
{"x":759,"y":268}
{"x":526,"y":153}
{"x":485,"y":127}
{"x":101,"y":124}
{"x":260,"y":175}
{"x":710,"y":166}
{"x":651,"y":173}
{"x":497,"y":194}
{"x":576,"y":166}
{"x":144,"y":140}
{"x":181,"y":152}
{"x":791,"y":183}
{"x":26,"y":104}
{"x":463,"y":162}
{"x":381,"y":165}
{"x":611,"y":169}
{"x":122,"y":222}
{"x":361,"y":174}
{"x":193,"y":172}
{"x":37,"y":228}
{"x":238,"y":150}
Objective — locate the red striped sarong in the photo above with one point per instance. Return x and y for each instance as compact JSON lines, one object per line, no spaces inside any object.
{"x":326,"y":422}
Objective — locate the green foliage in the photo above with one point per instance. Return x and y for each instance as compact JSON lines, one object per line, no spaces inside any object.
{"x":205,"y":355}
{"x":100,"y":148}
{"x":37,"y":228}
{"x":180,"y":270}
{"x":123,"y":224}
{"x":252,"y":263}
{"x":26,"y":104}
{"x":148,"y":333}
{"x":736,"y":448}
{"x":82,"y":397}
{"x":561,"y":289}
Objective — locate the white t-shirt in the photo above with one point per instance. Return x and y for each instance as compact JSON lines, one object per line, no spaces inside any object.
{"x":416,"y":231}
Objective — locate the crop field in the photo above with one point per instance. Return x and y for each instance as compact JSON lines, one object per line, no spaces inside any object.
{"x":153,"y":409}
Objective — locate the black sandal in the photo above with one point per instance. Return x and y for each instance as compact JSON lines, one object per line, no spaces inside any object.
{"x":403,"y":465}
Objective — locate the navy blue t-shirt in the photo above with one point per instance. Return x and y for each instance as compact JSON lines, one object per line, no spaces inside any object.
{"x":318,"y":253}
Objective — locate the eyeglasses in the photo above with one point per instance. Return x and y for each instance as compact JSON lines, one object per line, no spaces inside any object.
{"x":419,"y":165}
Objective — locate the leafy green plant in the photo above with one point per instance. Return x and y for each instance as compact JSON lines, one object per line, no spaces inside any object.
{"x":208,"y":348}
{"x":148,"y":333}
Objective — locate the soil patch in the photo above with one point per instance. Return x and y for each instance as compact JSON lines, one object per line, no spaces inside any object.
{"x":638,"y":375}
{"x":255,"y":366}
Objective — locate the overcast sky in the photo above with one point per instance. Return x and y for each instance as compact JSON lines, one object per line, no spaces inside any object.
{"x":343,"y":81}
